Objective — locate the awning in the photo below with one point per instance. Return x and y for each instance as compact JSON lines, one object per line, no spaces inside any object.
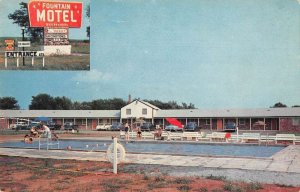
{"x":175,"y":122}
{"x":43,"y":119}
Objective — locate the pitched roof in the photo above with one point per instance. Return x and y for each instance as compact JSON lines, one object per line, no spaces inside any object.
{"x":144,"y":102}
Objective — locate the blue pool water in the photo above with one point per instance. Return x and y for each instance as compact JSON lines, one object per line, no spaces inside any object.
{"x":206,"y":149}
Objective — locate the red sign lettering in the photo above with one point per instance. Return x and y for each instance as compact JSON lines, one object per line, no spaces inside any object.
{"x":55,"y":14}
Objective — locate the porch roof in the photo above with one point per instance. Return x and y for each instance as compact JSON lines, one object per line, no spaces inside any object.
{"x":226,"y":113}
{"x":61,"y":113}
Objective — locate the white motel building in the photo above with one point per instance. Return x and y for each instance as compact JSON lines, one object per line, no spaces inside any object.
{"x":275,"y":119}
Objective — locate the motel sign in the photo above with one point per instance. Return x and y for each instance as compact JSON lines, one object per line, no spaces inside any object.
{"x":55,"y":14}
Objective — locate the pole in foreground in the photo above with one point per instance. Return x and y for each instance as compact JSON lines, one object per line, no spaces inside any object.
{"x":23,"y":30}
{"x":115,"y":154}
{"x":115,"y":163}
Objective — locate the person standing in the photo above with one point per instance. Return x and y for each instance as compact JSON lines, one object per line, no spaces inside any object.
{"x":139,"y":133}
{"x":126,"y":132}
{"x":47,"y":132}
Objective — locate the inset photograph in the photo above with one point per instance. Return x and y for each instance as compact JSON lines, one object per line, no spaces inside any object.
{"x":45,"y":35}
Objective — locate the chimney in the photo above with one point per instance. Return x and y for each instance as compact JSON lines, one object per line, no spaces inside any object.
{"x":129,"y":98}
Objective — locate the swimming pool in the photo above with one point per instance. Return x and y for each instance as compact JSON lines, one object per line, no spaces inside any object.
{"x":198,"y":149}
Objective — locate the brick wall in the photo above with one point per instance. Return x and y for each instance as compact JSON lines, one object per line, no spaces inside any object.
{"x":3,"y":123}
{"x":290,"y":125}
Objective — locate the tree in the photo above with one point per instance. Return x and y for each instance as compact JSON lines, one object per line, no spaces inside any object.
{"x":296,"y":106}
{"x":8,"y":103}
{"x":107,"y":104}
{"x":62,"y":103}
{"x":170,"y":105}
{"x":21,"y":18}
{"x":279,"y":104}
{"x":88,"y":32}
{"x":87,"y":13}
{"x":42,"y":102}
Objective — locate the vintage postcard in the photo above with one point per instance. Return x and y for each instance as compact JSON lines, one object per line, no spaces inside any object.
{"x":181,"y":95}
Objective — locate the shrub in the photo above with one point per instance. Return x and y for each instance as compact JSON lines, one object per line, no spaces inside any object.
{"x":146,"y":177}
{"x":159,"y":178}
{"x":203,"y":189}
{"x":253,"y":186}
{"x":184,"y":188}
{"x":182,"y":180}
{"x":156,"y":185}
{"x":228,"y":186}
{"x":283,"y":185}
{"x":220,"y":178}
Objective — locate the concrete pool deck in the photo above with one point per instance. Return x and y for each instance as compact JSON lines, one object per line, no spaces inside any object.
{"x":282,"y":168}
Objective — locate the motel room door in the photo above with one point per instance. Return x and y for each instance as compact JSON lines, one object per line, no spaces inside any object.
{"x":94,"y":123}
{"x":220,"y":125}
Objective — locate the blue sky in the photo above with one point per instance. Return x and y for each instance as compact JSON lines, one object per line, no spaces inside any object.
{"x":212,"y":53}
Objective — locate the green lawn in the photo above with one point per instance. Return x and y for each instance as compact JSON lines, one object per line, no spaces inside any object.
{"x":79,"y":60}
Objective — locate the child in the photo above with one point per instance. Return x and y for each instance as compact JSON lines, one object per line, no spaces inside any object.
{"x":28,"y":139}
{"x":139,"y":134}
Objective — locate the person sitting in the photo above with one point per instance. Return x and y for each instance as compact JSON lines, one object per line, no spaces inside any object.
{"x":34,"y":132}
{"x":28,"y":139}
{"x":55,"y":136}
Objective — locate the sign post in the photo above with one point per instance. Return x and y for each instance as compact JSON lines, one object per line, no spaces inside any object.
{"x":23,"y":54}
{"x":56,"y":17}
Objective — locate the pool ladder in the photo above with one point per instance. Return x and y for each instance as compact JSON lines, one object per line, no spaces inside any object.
{"x":48,"y":143}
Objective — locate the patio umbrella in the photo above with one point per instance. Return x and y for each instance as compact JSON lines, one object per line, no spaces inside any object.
{"x":175,"y":122}
{"x":42,"y":119}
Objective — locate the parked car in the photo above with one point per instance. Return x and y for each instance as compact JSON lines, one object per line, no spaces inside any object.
{"x":70,"y":126}
{"x":101,"y":127}
{"x":191,"y":126}
{"x":19,"y":126}
{"x":38,"y":125}
{"x":173,"y":128}
{"x":147,"y":127}
{"x":34,"y":124}
{"x":53,"y":126}
{"x":117,"y":126}
{"x":230,"y":126}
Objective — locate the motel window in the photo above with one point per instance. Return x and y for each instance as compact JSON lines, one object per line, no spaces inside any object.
{"x":83,"y":121}
{"x":207,"y":121}
{"x":295,"y":121}
{"x":144,"y":111}
{"x":128,"y":111}
{"x":242,"y":122}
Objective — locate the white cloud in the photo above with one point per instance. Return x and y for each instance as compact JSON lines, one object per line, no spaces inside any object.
{"x":299,"y":1}
{"x":119,"y":21}
{"x":93,"y":76}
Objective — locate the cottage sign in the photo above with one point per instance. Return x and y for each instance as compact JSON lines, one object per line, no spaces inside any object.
{"x":55,"y":14}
